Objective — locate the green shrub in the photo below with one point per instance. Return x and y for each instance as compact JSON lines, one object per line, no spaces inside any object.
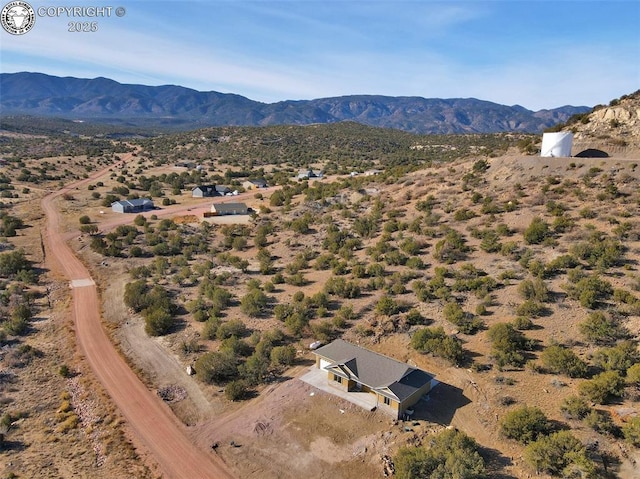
{"x":16,"y":326}
{"x":451,"y":454}
{"x":254,"y":303}
{"x":158,"y":321}
{"x":560,"y":454}
{"x":283,"y":355}
{"x":233,"y":327}
{"x":13,"y":262}
{"x":64,"y":371}
{"x":534,"y":289}
{"x":437,"y":342}
{"x":524,"y":424}
{"x":237,"y":347}
{"x":617,"y":358}
{"x":339,"y":286}
{"x":414,"y":317}
{"x":490,"y":242}
{"x":560,"y":360}
{"x":602,"y":386}
{"x":589,"y":290}
{"x":452,"y":248}
{"x":599,"y":251}
{"x":600,"y":421}
{"x":633,"y":375}
{"x":601,"y":328}
{"x":575,"y":407}
{"x":588,"y":213}
{"x":210,"y":328}
{"x":631,"y":431}
{"x":254,"y":368}
{"x":507,"y":344}
{"x":530,"y":309}
{"x":387,"y":306}
{"x":481,"y":309}
{"x":236,"y":390}
{"x":521,"y":323}
{"x":466,"y":322}
{"x":216,"y":367}
{"x":537,"y":231}
{"x":559,"y":265}
{"x":464,"y":214}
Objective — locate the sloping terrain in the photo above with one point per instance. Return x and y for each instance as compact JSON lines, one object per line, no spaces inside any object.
{"x":613,"y":128}
{"x":542,"y":250}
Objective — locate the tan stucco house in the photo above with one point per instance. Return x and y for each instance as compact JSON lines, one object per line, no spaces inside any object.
{"x":254,"y":184}
{"x":396,"y":385}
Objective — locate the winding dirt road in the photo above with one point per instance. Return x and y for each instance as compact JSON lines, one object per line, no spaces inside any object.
{"x":153,"y":423}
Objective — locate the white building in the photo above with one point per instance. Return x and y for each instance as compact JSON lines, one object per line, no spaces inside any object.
{"x":557,"y":145}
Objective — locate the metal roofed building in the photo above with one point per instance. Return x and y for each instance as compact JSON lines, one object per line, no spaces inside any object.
{"x":396,"y":385}
{"x":137,"y":205}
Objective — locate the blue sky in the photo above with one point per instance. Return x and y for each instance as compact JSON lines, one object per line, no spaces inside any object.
{"x":538,"y":54}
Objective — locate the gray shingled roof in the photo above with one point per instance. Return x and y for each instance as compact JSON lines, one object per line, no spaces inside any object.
{"x":374,"y":370}
{"x":233,"y":208}
{"x":210,"y":190}
{"x":135,"y":202}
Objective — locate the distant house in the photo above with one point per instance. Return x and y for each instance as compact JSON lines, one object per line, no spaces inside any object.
{"x":132,"y":206}
{"x":222,"y":209}
{"x":372,"y":172}
{"x":396,"y":385}
{"x":185,"y":164}
{"x":306,"y":174}
{"x":208,"y":191}
{"x":254,"y":184}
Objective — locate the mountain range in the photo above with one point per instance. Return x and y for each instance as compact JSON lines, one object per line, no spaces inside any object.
{"x":105,"y":100}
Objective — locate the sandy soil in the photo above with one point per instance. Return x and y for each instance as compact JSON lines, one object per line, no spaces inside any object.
{"x":287,"y":432}
{"x":292,"y":429}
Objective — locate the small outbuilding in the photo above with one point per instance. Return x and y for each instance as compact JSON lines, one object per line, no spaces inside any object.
{"x":137,"y":205}
{"x":307,"y":174}
{"x":208,"y":191}
{"x":222,"y":209}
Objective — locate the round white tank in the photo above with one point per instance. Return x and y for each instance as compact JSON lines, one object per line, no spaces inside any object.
{"x":557,"y":144}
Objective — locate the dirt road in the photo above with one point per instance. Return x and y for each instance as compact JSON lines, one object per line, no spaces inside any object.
{"x":151,"y":420}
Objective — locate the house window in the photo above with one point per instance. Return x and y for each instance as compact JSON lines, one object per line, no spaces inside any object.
{"x":387,"y":401}
{"x":337,"y":378}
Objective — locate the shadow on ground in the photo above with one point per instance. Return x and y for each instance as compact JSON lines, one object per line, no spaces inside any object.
{"x":495,"y":462}
{"x":443,"y":402}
